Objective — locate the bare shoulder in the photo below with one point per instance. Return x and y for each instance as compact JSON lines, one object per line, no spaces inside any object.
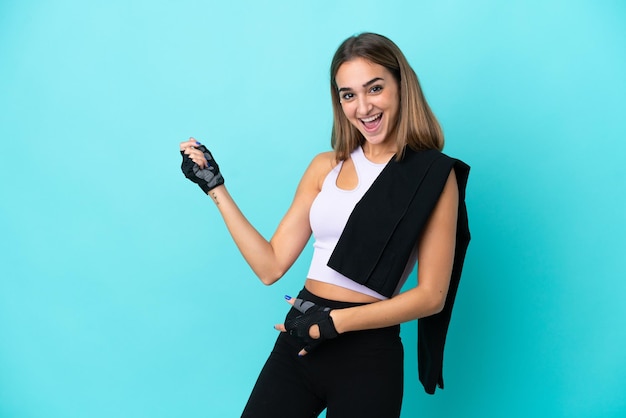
{"x":319,"y":168}
{"x":324,"y":162}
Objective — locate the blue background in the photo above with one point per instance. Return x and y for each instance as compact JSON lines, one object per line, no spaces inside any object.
{"x":121,"y":292}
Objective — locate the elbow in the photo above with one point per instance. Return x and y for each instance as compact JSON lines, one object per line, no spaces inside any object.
{"x":438,"y":307}
{"x":270,"y":277}
{"x":438,"y":302}
{"x":268,"y":281}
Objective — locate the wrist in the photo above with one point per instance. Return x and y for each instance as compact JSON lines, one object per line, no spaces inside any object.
{"x":218,"y":194}
{"x":337,"y":316}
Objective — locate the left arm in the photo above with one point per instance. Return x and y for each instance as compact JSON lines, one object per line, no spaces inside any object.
{"x":435,"y":260}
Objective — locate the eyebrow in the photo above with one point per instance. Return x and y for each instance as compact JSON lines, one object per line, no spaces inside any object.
{"x":369,"y":83}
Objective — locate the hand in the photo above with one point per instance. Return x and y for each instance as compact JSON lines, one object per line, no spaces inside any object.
{"x":199,"y":166}
{"x":314,"y":326}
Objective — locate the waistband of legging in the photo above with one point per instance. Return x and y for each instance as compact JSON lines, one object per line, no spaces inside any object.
{"x":305,"y":294}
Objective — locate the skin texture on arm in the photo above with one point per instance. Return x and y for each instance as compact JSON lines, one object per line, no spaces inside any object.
{"x":270,"y":259}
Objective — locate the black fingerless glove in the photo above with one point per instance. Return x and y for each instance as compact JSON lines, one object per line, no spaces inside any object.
{"x":207,"y":178}
{"x":312,"y":314}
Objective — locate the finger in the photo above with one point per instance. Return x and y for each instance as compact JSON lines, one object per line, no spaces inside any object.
{"x":302,"y":305}
{"x":289,"y":299}
{"x":280,"y":327}
{"x":190,"y":150}
{"x":191,"y":142}
{"x":197,"y":157}
{"x":200,"y":160}
{"x":193,"y":151}
{"x":303,"y":352}
{"x":200,"y":163}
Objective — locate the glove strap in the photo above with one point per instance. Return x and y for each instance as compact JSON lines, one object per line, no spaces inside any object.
{"x":327,"y":328}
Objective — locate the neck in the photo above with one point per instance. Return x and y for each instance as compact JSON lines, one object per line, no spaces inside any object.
{"x":381,"y":153}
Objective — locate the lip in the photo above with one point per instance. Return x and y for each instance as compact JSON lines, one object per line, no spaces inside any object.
{"x":371,"y":123}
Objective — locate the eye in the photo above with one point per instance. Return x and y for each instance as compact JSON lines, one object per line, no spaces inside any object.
{"x":376,"y":89}
{"x":347,"y":96}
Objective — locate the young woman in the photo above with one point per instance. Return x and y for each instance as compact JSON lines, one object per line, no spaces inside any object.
{"x":382,"y":200}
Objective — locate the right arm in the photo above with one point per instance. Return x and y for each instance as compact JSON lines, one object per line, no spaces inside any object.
{"x":271,"y":259}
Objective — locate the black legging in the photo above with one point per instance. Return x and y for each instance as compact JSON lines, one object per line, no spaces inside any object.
{"x":358,"y":374}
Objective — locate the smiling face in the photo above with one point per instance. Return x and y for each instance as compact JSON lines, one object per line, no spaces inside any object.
{"x":370,"y":99}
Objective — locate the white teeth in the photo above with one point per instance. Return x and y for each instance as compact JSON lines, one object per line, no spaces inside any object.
{"x":372,"y":118}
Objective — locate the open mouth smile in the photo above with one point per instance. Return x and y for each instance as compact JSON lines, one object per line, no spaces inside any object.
{"x":372,"y":122}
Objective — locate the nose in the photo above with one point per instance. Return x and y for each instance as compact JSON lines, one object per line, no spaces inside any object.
{"x":363,"y":106}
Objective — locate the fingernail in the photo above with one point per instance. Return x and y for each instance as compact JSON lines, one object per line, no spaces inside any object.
{"x":197,"y":143}
{"x":287,"y":297}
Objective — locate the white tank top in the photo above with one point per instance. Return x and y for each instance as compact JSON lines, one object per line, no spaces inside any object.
{"x":328,"y":216}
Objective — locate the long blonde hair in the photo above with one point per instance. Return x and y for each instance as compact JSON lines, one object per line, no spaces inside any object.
{"x":416,"y":127}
